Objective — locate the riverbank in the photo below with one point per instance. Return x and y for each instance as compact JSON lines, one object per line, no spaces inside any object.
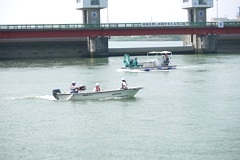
{"x":143,"y":51}
{"x":148,"y":38}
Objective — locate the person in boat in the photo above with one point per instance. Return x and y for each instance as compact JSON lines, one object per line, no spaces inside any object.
{"x":135,"y":63}
{"x":165,"y":59}
{"x":131,"y":62}
{"x":97,"y":88}
{"x":74,"y":88}
{"x":126,"y":60}
{"x":124,"y":84}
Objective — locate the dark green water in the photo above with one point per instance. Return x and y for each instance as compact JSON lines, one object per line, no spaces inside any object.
{"x":192,"y":112}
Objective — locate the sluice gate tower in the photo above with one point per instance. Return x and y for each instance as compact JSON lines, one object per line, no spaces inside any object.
{"x":97,"y":46}
{"x":197,"y":12}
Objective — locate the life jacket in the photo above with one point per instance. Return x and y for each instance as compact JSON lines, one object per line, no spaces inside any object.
{"x":98,"y":88}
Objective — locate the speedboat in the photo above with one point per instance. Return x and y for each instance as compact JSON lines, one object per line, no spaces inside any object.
{"x":156,"y":61}
{"x":106,"y":94}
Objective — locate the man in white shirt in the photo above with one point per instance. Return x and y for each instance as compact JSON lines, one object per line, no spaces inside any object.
{"x":74,"y":88}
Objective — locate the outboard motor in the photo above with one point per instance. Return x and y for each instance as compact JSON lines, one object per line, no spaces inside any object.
{"x":54,"y":92}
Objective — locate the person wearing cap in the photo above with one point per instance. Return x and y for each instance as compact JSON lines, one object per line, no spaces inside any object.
{"x":124,"y":84}
{"x":73,"y":87}
{"x":97,"y":88}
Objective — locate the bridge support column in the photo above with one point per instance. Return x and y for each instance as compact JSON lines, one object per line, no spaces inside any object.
{"x":98,"y":46}
{"x":202,"y":43}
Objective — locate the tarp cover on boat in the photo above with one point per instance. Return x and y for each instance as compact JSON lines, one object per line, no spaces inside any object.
{"x":130,"y":62}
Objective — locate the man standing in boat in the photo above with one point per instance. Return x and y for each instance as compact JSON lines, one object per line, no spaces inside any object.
{"x":165,"y":59}
{"x":124,"y":84}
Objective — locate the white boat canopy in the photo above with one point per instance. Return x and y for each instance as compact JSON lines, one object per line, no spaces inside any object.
{"x":160,"y":52}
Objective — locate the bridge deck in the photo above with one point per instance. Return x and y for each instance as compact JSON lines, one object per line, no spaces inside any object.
{"x":116,"y":29}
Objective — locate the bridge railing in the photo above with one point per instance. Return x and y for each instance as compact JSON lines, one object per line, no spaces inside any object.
{"x":116,"y":25}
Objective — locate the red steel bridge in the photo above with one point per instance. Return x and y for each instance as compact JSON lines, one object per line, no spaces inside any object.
{"x":117,"y":29}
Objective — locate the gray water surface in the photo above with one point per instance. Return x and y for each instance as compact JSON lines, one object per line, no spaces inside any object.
{"x":192,"y":112}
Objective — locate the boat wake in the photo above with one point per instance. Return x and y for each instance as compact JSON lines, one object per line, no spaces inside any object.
{"x":46,"y":97}
{"x":140,"y":71}
{"x":27,"y":97}
{"x":128,"y":70}
{"x":188,"y":67}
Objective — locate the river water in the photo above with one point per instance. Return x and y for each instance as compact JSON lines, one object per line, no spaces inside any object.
{"x":188,"y":113}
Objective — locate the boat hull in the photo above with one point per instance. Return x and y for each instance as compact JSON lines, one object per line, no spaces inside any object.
{"x":147,"y":69}
{"x":121,"y":93}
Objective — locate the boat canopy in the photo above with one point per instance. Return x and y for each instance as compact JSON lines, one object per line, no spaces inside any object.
{"x":159,"y":52}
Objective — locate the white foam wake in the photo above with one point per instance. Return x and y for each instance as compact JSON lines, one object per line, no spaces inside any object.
{"x":45,"y":97}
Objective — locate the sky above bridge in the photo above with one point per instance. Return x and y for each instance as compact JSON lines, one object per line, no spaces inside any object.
{"x":119,"y":11}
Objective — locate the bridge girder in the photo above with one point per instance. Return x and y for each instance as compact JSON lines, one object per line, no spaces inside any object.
{"x":115,"y":32}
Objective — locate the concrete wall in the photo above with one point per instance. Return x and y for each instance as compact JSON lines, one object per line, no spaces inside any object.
{"x":205,"y":43}
{"x":228,"y":46}
{"x":55,"y":48}
{"x":228,"y":43}
{"x":91,"y":16}
{"x":143,"y":51}
{"x":43,"y":49}
{"x":197,"y":15}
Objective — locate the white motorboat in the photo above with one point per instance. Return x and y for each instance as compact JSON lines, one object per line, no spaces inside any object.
{"x":156,"y":61}
{"x":107,"y":94}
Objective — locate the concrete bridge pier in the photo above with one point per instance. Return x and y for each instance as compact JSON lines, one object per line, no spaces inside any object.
{"x":205,"y":43}
{"x":202,"y":43}
{"x":98,"y":46}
